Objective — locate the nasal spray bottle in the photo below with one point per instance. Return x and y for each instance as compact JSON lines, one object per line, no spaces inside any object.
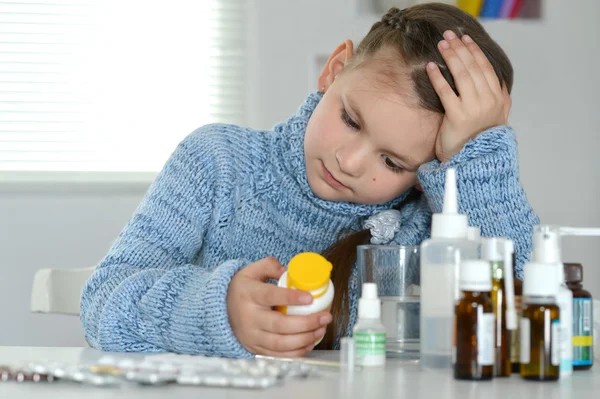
{"x":441,"y":256}
{"x":547,"y":250}
{"x":498,"y":252}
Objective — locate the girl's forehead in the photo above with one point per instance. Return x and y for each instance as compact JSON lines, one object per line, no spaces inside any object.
{"x":390,"y":112}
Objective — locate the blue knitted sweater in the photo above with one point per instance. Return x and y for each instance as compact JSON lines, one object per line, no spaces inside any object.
{"x":229,"y":196}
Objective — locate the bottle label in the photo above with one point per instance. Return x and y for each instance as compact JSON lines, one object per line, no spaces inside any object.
{"x":454,"y":329}
{"x":525,"y":340}
{"x":370,"y":348}
{"x":485,"y":339}
{"x":555,"y":343}
{"x":515,"y":335}
{"x":582,"y":332}
{"x":564,"y":300}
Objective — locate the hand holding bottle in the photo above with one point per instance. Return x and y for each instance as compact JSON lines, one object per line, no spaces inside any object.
{"x":259,"y":328}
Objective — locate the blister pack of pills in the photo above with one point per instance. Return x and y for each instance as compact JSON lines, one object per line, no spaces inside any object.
{"x":163,"y":369}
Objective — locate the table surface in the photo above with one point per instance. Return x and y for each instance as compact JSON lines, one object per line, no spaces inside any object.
{"x":399,"y":379}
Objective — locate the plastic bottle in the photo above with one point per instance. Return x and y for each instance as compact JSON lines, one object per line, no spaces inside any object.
{"x":546,"y":249}
{"x":540,"y":324}
{"x":440,"y":257}
{"x":515,"y":336}
{"x":310,"y":272}
{"x":369,"y":332}
{"x":474,"y":234}
{"x":583,"y":337}
{"x":473,"y":356}
{"x":498,"y":251}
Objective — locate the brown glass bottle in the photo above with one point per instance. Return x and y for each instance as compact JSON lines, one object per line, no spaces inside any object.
{"x":583,"y":345}
{"x":474,"y":329}
{"x":540,"y":354}
{"x":502,"y":365}
{"x":515,"y":336}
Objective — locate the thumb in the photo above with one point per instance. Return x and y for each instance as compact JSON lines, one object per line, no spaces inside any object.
{"x":265,"y":269}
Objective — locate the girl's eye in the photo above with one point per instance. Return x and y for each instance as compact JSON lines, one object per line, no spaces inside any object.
{"x":349,"y":121}
{"x":391,"y":165}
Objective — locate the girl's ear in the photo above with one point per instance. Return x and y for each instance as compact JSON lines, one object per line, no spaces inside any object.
{"x":335,"y":64}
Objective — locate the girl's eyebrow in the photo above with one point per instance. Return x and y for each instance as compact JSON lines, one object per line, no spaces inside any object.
{"x":408,"y":163}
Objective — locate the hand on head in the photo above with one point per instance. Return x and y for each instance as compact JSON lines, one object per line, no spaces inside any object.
{"x":481,"y":102}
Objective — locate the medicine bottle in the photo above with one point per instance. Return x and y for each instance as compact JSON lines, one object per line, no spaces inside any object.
{"x":540,"y":324}
{"x":583,"y":337}
{"x":473,"y":354}
{"x":310,"y":272}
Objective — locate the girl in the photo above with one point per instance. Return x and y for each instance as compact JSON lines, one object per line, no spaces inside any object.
{"x":425,"y":90}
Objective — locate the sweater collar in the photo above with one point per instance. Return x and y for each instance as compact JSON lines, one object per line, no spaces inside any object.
{"x":289,"y":142}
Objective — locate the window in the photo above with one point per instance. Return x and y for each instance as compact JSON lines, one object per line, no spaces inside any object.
{"x":114,"y":85}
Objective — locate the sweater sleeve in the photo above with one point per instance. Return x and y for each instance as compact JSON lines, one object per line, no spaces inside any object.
{"x":489,"y":190}
{"x":148,"y":294}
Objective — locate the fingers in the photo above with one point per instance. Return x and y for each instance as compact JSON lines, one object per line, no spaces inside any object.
{"x":265,"y":269}
{"x":449,"y":99}
{"x":461,"y":64}
{"x":483,"y":62}
{"x":269,"y":295}
{"x":278,"y":343}
{"x":278,"y":323}
{"x":268,"y":352}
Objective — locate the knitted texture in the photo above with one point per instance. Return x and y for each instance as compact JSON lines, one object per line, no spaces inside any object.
{"x":229,"y":196}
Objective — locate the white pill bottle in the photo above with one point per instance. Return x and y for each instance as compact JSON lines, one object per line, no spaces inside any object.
{"x":311,"y":272}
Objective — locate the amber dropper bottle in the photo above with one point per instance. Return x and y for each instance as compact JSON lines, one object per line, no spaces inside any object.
{"x":473,"y":354}
{"x":540,"y":324}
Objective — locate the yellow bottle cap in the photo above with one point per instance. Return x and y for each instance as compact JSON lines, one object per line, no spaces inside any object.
{"x":308,"y":271}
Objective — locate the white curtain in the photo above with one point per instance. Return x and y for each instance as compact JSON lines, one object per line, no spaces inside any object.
{"x":114,"y":85}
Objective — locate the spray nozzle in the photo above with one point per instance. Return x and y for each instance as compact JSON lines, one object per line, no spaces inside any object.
{"x":450,"y":195}
{"x":546,"y":241}
{"x":546,"y":244}
{"x":449,"y":223}
{"x":579,"y":231}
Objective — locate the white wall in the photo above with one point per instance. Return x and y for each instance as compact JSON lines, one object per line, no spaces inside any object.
{"x":555,"y":113}
{"x":59,"y":226}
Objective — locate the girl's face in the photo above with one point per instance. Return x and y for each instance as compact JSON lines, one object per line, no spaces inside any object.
{"x":366,"y":139}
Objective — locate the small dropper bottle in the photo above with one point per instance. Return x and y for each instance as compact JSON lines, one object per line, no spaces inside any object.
{"x":475,"y":323}
{"x":540,"y":324}
{"x":369,"y":332}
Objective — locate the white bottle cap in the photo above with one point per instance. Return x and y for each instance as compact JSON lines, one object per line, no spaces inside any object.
{"x":546,"y":244}
{"x":491,"y":249}
{"x":539,"y":279}
{"x":449,"y":223}
{"x":475,"y":275}
{"x":369,"y":305}
{"x":474,"y":234}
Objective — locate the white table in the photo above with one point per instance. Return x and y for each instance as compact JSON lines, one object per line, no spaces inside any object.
{"x":399,"y":379}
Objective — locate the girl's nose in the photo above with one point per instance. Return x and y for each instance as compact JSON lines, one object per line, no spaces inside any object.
{"x":352,"y":158}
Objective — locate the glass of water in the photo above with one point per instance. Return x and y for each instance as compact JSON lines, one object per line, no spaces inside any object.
{"x":395,"y":270}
